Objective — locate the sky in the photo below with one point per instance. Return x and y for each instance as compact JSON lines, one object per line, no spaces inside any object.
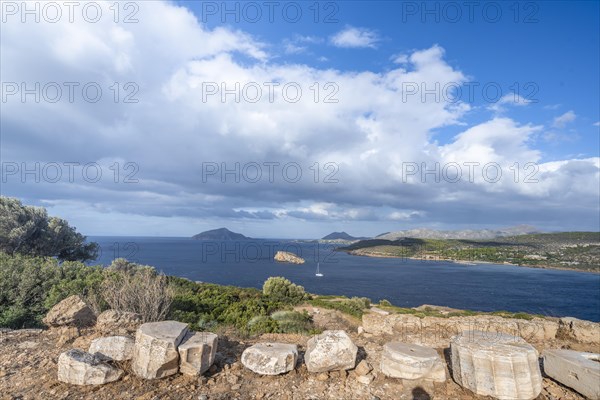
{"x":296,"y":119}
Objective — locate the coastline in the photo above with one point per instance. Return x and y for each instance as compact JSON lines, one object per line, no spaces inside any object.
{"x":469,"y":262}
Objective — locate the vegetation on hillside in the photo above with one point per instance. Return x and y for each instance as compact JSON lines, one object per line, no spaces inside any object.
{"x":30,"y":286}
{"x":573,"y":250}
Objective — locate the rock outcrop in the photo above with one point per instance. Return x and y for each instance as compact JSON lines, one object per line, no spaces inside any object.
{"x":155,"y":353}
{"x":413,"y":362}
{"x":578,"y":330}
{"x":496,"y":364}
{"x":270,"y":358}
{"x":577,"y":370}
{"x":118,"y":322}
{"x":80,"y":368}
{"x":71,"y":311}
{"x":330,"y":351}
{"x":287,"y":257}
{"x":197,"y":352}
{"x":117,"y":348}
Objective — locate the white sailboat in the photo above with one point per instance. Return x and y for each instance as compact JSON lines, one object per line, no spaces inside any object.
{"x":318,"y":273}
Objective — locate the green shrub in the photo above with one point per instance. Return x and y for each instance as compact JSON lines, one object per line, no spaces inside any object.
{"x":385,"y":303}
{"x":262,"y":324}
{"x":281,"y":289}
{"x":292,"y":321}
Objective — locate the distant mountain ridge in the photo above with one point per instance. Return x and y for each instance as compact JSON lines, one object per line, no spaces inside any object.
{"x":221,"y":234}
{"x":341,"y":236}
{"x":425,"y":233}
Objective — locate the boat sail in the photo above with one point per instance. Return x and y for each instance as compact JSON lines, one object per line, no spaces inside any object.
{"x":318,"y":272}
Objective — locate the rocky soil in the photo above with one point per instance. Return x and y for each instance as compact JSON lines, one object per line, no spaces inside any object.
{"x":28,"y":370}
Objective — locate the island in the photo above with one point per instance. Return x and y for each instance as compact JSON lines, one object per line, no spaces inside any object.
{"x":221,"y":234}
{"x":287,"y":257}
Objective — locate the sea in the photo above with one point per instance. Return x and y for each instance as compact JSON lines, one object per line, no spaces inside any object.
{"x":403,"y":282}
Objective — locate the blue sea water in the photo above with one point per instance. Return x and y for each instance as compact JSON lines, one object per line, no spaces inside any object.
{"x":404,"y":282}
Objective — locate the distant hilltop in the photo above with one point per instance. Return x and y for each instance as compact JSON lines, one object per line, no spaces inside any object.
{"x":341,"y":236}
{"x":221,"y":234}
{"x":470,"y":234}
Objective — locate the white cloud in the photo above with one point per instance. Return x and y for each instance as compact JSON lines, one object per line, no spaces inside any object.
{"x":352,"y":37}
{"x":562,"y":120}
{"x":597,"y":123}
{"x":369,"y":133}
{"x":511,"y":99}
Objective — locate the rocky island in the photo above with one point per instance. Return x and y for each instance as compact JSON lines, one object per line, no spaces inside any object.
{"x":287,"y":257}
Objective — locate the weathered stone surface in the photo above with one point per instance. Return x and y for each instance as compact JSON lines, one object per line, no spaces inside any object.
{"x":67,"y":334}
{"x":411,"y":361}
{"x":579,"y":330}
{"x":330,"y":351}
{"x":496,"y":364}
{"x":197,"y":352}
{"x":155,"y":353}
{"x":118,"y":348}
{"x":70,"y":311}
{"x":118,"y":321}
{"x":577,"y":370}
{"x":363,"y":368}
{"x":80,"y":368}
{"x":437,"y":332}
{"x":284,"y":256}
{"x":270,"y":358}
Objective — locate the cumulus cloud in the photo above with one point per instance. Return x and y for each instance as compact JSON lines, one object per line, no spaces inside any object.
{"x":352,"y":37}
{"x":364,"y":155}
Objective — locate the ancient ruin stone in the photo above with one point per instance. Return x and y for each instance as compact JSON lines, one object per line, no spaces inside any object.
{"x":70,"y":311}
{"x":330,"y":351}
{"x":577,"y":370}
{"x":270,"y":358}
{"x":411,"y":361}
{"x":118,"y":348}
{"x":197,"y":352}
{"x":80,"y":368}
{"x":155,"y":353}
{"x":496,"y":364}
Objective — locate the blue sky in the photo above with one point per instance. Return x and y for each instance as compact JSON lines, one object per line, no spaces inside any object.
{"x":372,"y":52}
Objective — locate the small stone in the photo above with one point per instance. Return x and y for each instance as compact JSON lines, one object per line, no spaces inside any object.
{"x":80,"y":368}
{"x":363,"y":368}
{"x":197,"y":353}
{"x":67,"y":334}
{"x":270,"y":358}
{"x":360,"y":330}
{"x":330,"y":351}
{"x":236,"y":387}
{"x":118,"y":348}
{"x":365,"y":379}
{"x":322,"y":377}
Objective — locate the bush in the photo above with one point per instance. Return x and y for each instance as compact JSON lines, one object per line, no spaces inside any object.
{"x":30,"y":286}
{"x":292,"y":321}
{"x":385,"y":303}
{"x":262,"y":324}
{"x":281,"y":289}
{"x":140,"y":290}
